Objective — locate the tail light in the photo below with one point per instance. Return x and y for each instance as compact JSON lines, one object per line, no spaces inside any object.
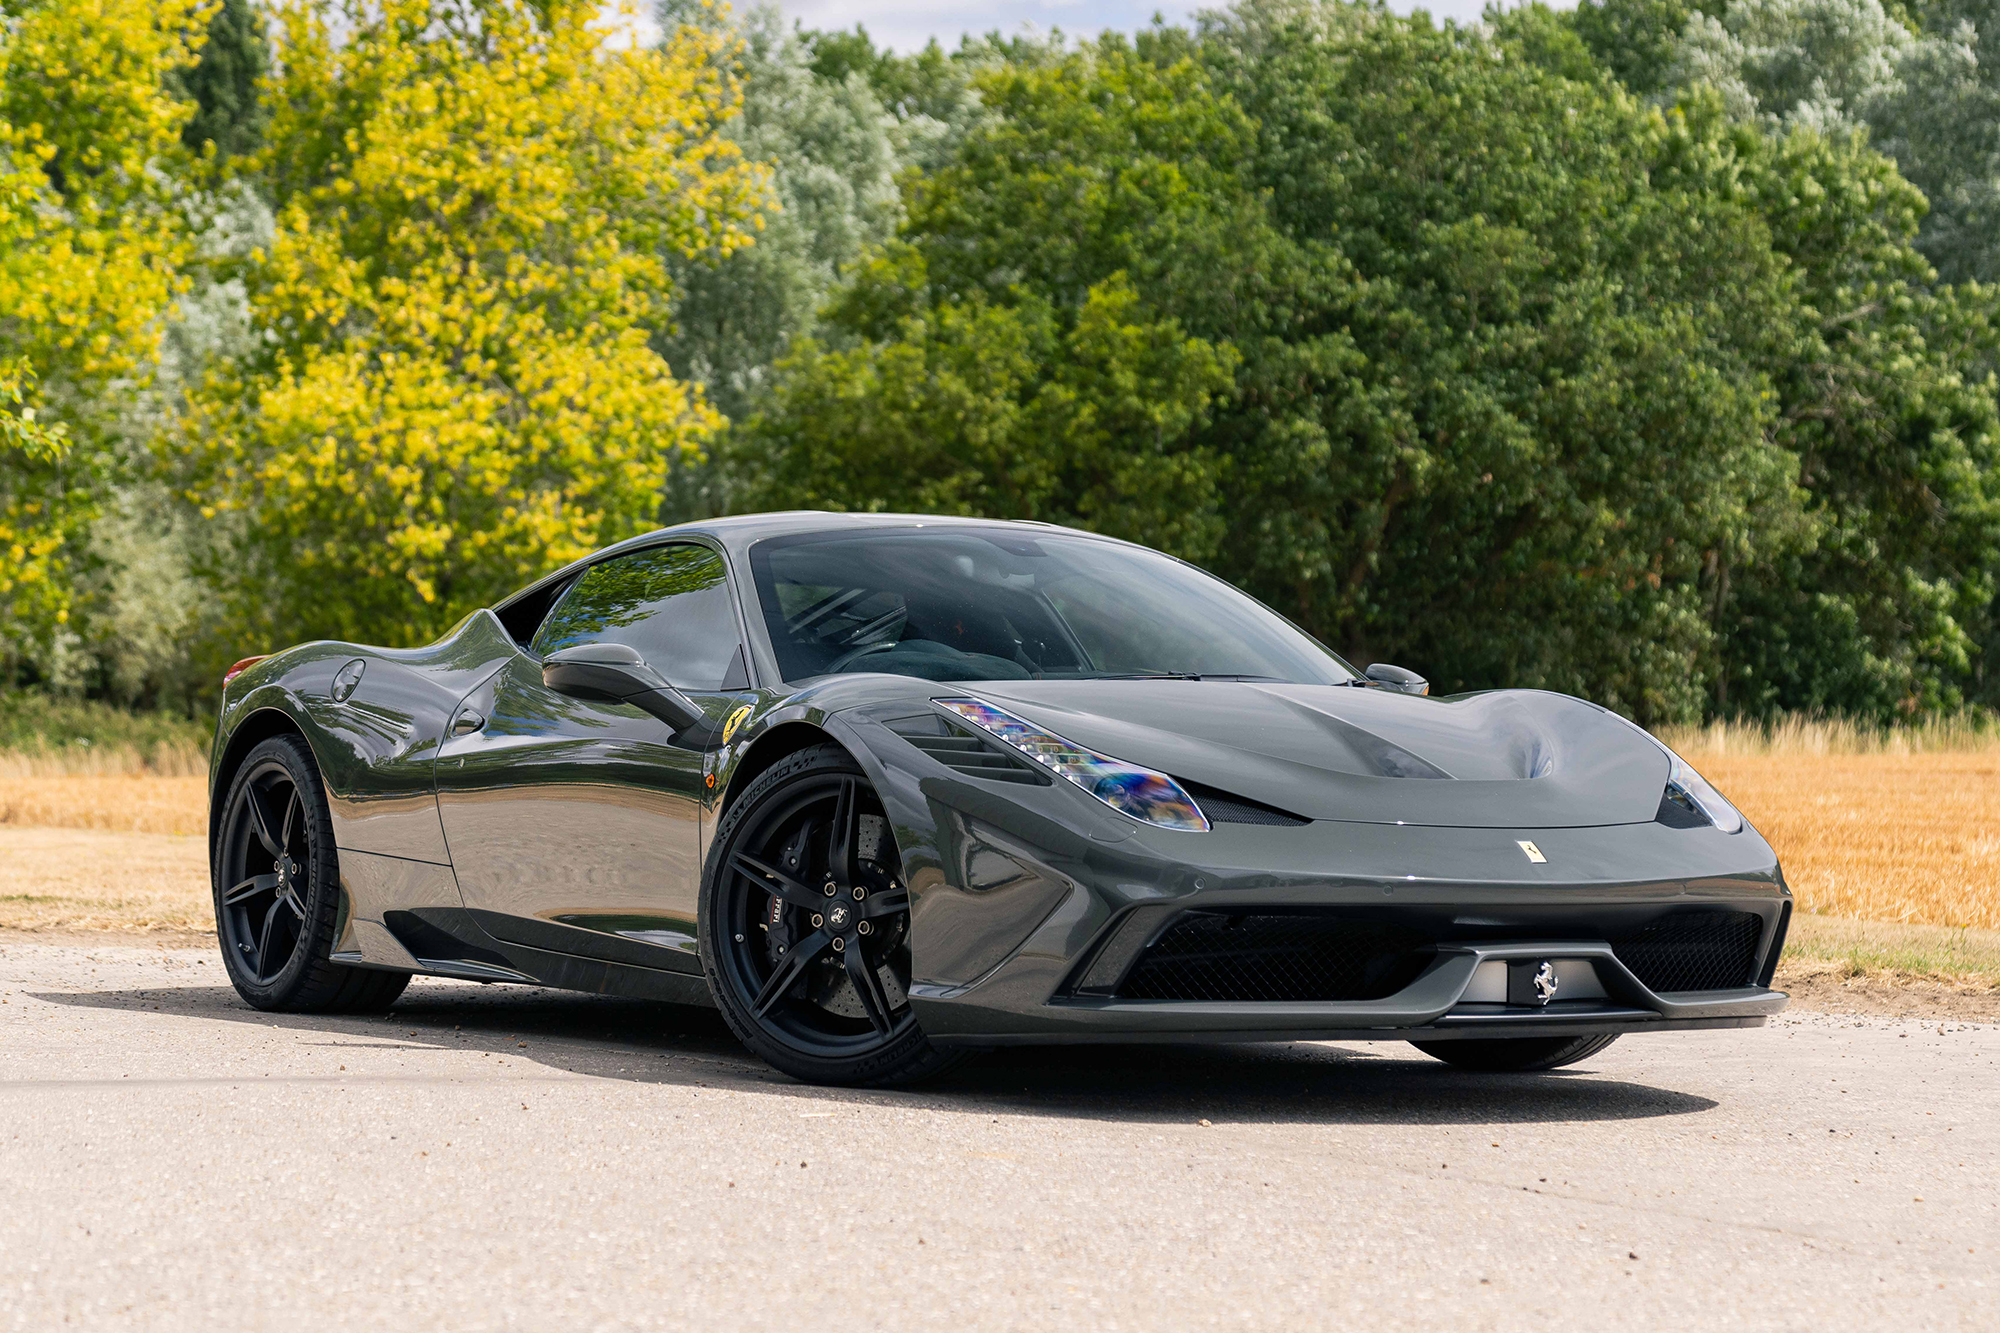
{"x":242,"y":667}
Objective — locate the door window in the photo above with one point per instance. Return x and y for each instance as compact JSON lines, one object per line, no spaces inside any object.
{"x":671,"y":603}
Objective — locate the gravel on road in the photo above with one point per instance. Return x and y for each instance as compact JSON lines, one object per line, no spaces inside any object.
{"x":517,"y":1159}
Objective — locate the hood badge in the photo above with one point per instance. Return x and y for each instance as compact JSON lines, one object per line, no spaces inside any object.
{"x":1532,"y":852}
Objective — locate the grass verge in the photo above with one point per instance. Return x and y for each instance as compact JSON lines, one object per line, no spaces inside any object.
{"x":43,"y":737}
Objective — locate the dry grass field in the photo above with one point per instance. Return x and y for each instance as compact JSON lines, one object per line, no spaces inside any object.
{"x":1903,"y":832}
{"x":86,"y":881}
{"x":1891,"y":844}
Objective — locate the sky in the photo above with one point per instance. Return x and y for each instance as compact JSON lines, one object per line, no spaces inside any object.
{"x":907,"y":24}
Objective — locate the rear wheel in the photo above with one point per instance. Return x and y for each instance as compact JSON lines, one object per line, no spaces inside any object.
{"x":1519,"y":1055}
{"x":277,"y":890}
{"x":805,"y":924}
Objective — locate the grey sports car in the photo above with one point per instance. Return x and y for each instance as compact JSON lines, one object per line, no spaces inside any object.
{"x":888,"y":789}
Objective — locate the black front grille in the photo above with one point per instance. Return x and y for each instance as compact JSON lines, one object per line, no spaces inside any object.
{"x":1710,"y":950}
{"x":1282,"y":956}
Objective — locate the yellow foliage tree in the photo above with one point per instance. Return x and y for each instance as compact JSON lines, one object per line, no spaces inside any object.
{"x":92,"y":245}
{"x":473,"y":198}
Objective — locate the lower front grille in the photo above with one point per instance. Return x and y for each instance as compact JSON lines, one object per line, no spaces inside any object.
{"x":1689,"y":951}
{"x":1276,"y":956}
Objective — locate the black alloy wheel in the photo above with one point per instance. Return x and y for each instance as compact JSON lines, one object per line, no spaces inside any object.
{"x":806,"y":927}
{"x":277,"y":890}
{"x":1516,"y":1055}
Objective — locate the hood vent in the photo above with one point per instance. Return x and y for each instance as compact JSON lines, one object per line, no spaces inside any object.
{"x":1223,"y":808}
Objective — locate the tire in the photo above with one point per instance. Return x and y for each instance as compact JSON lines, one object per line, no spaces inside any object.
{"x":805,"y":932}
{"x":1516,"y":1055}
{"x":277,"y":926}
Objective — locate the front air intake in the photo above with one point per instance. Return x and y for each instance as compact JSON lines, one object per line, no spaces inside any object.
{"x":1693,"y":951}
{"x":1276,"y":956}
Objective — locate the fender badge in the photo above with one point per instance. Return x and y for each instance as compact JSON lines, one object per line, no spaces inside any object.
{"x":1532,"y":852}
{"x":735,"y":721}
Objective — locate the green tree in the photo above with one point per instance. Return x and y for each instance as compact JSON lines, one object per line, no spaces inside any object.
{"x":1942,"y":125}
{"x":830,"y":149}
{"x":1002,"y":358}
{"x":1454,"y":351}
{"x":223,"y":83}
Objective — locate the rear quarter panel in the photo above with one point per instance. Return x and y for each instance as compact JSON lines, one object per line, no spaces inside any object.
{"x":377,"y":748}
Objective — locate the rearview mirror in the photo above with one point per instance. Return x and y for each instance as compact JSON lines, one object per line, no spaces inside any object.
{"x":1401,"y":679}
{"x":615,"y":671}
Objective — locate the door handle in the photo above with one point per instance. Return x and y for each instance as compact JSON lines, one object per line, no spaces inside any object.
{"x":468,"y":720}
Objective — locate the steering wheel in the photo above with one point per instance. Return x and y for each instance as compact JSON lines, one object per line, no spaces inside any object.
{"x":840,"y":663}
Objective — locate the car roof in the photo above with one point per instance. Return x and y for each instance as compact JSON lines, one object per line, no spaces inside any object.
{"x":738,"y":532}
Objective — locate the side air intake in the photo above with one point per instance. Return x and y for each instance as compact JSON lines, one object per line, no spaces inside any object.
{"x":962,"y":752}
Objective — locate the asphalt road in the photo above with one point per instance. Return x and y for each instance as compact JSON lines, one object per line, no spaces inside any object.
{"x":494,"y":1158}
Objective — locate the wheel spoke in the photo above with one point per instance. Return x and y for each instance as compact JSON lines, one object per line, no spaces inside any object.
{"x":264,"y":943}
{"x":869,"y":986}
{"x":261,"y":821}
{"x":786,"y":887}
{"x":298,"y":908}
{"x":842,"y":858}
{"x":249,"y":888}
{"x":291,"y":810}
{"x":885,"y":904}
{"x":789,"y":969}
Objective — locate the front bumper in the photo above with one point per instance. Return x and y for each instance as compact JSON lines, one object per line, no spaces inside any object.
{"x":1018,"y":895}
{"x":1432,"y":1008}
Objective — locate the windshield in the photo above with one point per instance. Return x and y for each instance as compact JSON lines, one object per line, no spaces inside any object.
{"x":957,"y":604}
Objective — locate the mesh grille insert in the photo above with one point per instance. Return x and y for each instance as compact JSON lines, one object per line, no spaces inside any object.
{"x":1276,"y":956}
{"x":1689,"y":951}
{"x":1223,"y":808}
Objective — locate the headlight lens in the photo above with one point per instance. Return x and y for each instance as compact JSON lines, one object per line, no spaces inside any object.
{"x":1691,"y":787}
{"x":1147,"y":796}
{"x":1682,"y":778}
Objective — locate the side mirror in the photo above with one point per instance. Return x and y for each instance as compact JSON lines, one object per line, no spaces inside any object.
{"x":1400,"y":679}
{"x":616,"y":671}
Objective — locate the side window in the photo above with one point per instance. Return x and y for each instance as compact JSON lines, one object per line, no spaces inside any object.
{"x":670,"y":602}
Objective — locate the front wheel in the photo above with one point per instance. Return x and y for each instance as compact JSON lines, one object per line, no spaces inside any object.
{"x":1516,"y":1055}
{"x":277,"y":890}
{"x":805,"y":924}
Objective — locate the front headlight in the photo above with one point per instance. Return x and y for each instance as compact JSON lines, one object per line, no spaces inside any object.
{"x":1141,"y":793}
{"x":1682,"y":779}
{"x":1685,"y":787}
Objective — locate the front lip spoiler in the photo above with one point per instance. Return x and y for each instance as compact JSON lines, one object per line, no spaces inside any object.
{"x":1429,"y":1008}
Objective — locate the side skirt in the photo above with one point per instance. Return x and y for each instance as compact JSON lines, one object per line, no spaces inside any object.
{"x":451,"y":942}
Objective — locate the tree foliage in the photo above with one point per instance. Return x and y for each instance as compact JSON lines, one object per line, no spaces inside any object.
{"x":92,"y":248}
{"x":452,"y":389}
{"x":1445,"y":344}
{"x":223,"y":83}
{"x":1643,"y":351}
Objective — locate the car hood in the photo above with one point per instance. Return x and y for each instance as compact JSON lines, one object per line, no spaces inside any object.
{"x":1507,"y":759}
